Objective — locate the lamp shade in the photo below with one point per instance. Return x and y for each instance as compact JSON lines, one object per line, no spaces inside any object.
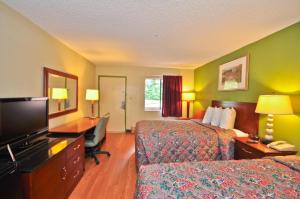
{"x":92,"y":94}
{"x":274,"y":104}
{"x":190,"y":96}
{"x":59,"y":93}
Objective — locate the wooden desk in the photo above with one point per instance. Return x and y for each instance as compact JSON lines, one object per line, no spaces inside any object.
{"x":79,"y":126}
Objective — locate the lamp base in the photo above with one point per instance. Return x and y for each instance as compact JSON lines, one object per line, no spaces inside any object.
{"x":269,"y":130}
{"x":188,"y":109}
{"x":266,"y":141}
{"x":92,"y":111}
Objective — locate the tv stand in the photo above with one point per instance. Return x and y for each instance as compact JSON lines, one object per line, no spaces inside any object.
{"x":32,"y":144}
{"x":59,"y":173}
{"x":25,"y":145}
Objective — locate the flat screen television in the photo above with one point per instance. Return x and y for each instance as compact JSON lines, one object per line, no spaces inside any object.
{"x":22,"y":117}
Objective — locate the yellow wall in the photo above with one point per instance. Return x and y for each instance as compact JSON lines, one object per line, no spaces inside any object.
{"x":25,"y":49}
{"x":135,"y":88}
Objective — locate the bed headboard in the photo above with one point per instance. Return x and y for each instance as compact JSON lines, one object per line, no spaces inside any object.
{"x":246,"y":118}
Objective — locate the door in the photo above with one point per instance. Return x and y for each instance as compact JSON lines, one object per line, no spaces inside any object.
{"x":113,"y":100}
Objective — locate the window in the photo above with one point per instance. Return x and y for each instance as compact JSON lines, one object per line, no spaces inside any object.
{"x":153,"y":93}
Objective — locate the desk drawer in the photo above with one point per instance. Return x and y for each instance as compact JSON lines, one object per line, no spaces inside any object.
{"x":77,"y":148}
{"x":74,"y":177}
{"x":52,"y":174}
{"x":75,"y":162}
{"x":243,"y":151}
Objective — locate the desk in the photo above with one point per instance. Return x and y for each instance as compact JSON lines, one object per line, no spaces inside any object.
{"x":79,"y":126}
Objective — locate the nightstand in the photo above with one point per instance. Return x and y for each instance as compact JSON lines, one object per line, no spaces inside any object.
{"x":245,"y":150}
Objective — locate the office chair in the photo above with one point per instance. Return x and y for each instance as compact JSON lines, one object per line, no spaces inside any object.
{"x":92,"y":140}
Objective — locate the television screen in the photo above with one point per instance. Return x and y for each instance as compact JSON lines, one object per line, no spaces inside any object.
{"x":20,"y":117}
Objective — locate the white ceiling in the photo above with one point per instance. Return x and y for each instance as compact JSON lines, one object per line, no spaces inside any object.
{"x":158,"y":33}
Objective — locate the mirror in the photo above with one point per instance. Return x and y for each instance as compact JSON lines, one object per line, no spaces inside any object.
{"x":62,"y":90}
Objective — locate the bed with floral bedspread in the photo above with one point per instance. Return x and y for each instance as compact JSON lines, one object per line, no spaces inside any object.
{"x":164,"y":141}
{"x":276,"y":177}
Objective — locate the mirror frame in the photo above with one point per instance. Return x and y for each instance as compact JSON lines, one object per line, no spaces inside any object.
{"x":47,"y":72}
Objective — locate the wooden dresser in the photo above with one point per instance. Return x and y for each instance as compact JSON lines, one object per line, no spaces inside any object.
{"x":59,"y":174}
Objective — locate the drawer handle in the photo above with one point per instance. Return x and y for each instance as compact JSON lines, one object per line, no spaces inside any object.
{"x":77,"y":147}
{"x":77,"y":160}
{"x":77,"y":174}
{"x":245,"y":150}
{"x":65,"y":173}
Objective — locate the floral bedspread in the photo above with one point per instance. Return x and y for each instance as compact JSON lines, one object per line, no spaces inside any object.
{"x":260,"y":178}
{"x":161,"y":141}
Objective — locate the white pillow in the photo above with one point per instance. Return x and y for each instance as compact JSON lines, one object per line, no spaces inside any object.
{"x":216,"y":116}
{"x":208,"y":115}
{"x":227,"y":118}
{"x":239,"y":133}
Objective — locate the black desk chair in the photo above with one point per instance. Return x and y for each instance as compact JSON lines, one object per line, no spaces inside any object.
{"x":93,"y":140}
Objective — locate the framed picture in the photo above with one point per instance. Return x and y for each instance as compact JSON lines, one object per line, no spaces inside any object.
{"x":234,"y":75}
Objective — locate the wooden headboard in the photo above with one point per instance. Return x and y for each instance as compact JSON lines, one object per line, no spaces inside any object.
{"x":246,"y":118}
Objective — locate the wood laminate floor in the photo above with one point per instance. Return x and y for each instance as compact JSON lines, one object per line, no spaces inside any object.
{"x":114,"y":177}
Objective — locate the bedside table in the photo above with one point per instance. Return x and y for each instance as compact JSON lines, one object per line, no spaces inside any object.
{"x":245,"y":150}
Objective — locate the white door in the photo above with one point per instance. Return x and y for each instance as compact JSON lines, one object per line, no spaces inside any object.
{"x":113,"y":100}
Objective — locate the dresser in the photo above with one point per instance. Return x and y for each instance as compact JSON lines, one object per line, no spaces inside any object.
{"x":57,"y":176}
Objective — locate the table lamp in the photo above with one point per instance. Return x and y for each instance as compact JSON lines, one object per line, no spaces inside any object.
{"x":188,"y":97}
{"x":93,"y":96}
{"x":59,"y":94}
{"x":273,"y":105}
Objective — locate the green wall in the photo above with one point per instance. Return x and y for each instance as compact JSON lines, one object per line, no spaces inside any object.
{"x":274,"y":68}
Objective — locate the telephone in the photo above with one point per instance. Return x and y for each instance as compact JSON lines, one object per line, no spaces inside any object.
{"x":281,"y":146}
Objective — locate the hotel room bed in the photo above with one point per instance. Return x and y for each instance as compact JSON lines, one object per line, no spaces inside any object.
{"x":274,"y":177}
{"x":164,"y":141}
{"x":160,"y":141}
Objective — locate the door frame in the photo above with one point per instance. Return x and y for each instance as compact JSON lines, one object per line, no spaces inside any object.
{"x":114,"y":76}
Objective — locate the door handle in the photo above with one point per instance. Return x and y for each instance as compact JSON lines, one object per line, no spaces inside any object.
{"x":64,"y":176}
{"x":123,"y":105}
